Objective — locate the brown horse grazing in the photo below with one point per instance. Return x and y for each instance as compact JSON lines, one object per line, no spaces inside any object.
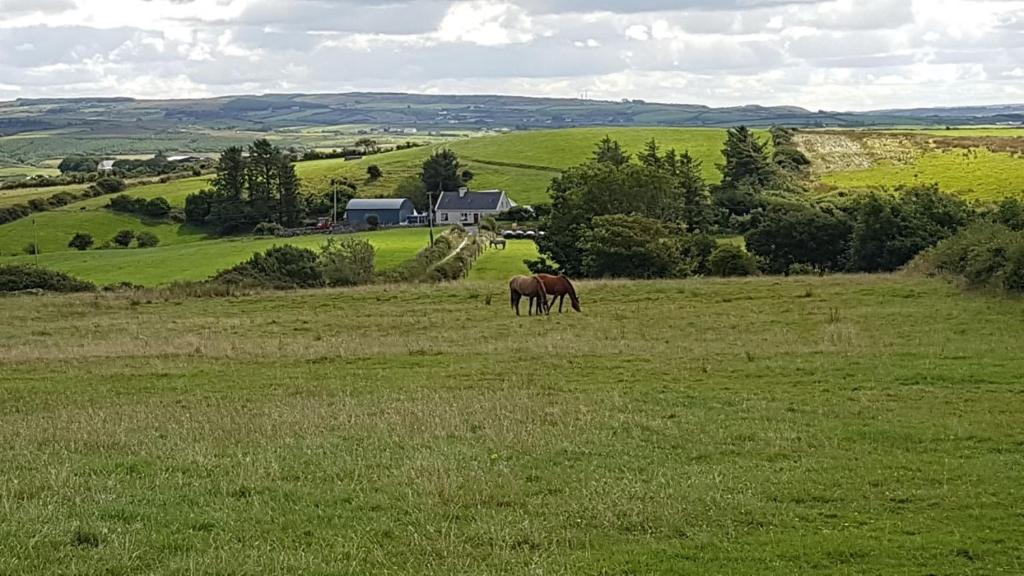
{"x":531,"y":287}
{"x":559,"y":287}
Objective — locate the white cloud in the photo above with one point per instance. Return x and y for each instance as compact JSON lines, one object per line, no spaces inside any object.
{"x":831,"y":54}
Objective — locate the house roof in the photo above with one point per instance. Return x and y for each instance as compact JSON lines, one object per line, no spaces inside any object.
{"x":470,"y":201}
{"x":377,"y":203}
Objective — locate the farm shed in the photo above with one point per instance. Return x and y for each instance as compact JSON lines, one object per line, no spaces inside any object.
{"x":389,"y":211}
{"x":468,"y":208}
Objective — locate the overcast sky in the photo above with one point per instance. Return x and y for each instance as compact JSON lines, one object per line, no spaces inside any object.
{"x":820,"y":54}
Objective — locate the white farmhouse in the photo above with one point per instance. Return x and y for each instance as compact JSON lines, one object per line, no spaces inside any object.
{"x":468,"y":208}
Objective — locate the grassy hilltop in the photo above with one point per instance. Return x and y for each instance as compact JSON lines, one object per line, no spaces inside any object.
{"x":978,"y":163}
{"x":785,"y":426}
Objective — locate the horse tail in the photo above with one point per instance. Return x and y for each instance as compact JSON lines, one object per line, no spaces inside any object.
{"x":512,"y":293}
{"x":543,"y":292}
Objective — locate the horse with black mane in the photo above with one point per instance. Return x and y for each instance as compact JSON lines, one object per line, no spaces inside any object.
{"x":559,"y":287}
{"x":533,"y":288}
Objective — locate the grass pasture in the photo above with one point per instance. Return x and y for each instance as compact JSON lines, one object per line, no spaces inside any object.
{"x":978,"y":164}
{"x":197,"y":260}
{"x":842,"y":425}
{"x":498,"y":265}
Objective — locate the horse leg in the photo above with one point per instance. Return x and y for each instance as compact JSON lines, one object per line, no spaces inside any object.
{"x":515,"y":302}
{"x":561,"y":303}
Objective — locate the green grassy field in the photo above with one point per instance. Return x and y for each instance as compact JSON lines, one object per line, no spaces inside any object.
{"x":834,"y":426}
{"x":27,"y":171}
{"x":498,"y":265}
{"x":54,"y":229}
{"x":197,"y":260}
{"x":974,"y":174}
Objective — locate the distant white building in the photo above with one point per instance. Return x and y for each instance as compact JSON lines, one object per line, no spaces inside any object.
{"x":106,"y":166}
{"x":468,"y":208}
{"x":410,"y":131}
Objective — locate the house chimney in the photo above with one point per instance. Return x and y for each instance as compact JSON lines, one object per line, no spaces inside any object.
{"x":462,"y":192}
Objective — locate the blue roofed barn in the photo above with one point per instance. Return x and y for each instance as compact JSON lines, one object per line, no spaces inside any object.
{"x":388,"y":211}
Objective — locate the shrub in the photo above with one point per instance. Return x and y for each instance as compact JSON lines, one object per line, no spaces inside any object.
{"x":147,"y":240}
{"x":81,"y":241}
{"x":729,"y":261}
{"x":628,"y":247}
{"x":12,"y":213}
{"x":802,"y":270}
{"x":985,"y":255}
{"x":889,"y":232}
{"x":374,"y":172}
{"x":268,"y":229}
{"x":695,"y":251}
{"x":16,"y":278}
{"x":347,"y":261}
{"x":796,"y":234}
{"x":123,"y":238}
{"x":31,"y":248}
{"x":279,"y":267}
{"x":157,"y":207}
{"x":109,"y":185}
{"x":373,"y":221}
{"x":489,"y":223}
{"x":541,"y":266}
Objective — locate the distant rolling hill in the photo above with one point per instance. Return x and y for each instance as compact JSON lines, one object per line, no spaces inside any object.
{"x":279,"y":111}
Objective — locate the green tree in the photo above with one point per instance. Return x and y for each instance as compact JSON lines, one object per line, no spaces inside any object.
{"x":746,"y":162}
{"x":610,"y":152}
{"x":413,"y":189}
{"x":442,"y":172}
{"x":81,"y":164}
{"x":800,"y":234}
{"x":651,"y":155}
{"x":786,"y":155}
{"x":585,"y":192}
{"x":262,"y":178}
{"x":629,"y":247}
{"x":81,"y":241}
{"x":231,"y":169}
{"x":696,"y":201}
{"x":373,"y":172}
{"x":289,"y":203}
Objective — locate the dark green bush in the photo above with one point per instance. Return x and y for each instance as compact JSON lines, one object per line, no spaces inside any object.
{"x":985,"y":255}
{"x":123,"y":238}
{"x":629,"y":247}
{"x":16,"y":278}
{"x":280,"y":267}
{"x":798,"y":234}
{"x":81,"y":241}
{"x":147,"y":240}
{"x":730,"y":261}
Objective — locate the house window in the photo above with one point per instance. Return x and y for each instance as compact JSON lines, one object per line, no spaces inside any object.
{"x":444,"y":217}
{"x":465,"y":217}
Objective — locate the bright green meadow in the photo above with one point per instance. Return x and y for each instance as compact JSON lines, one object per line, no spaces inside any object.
{"x":831,"y":426}
{"x":198,"y":260}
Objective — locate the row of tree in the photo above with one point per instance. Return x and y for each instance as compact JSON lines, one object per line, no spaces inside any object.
{"x":656,"y":215}
{"x":250,"y":188}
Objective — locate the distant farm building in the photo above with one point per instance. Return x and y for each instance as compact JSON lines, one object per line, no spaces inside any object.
{"x":106,"y":166}
{"x":359,"y":212}
{"x":468,"y":208}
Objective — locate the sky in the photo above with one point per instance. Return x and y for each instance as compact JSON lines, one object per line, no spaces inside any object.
{"x":819,"y":54}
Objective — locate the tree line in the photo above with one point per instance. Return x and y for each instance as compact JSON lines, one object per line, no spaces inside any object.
{"x":655,"y":216}
{"x":251,"y":186}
